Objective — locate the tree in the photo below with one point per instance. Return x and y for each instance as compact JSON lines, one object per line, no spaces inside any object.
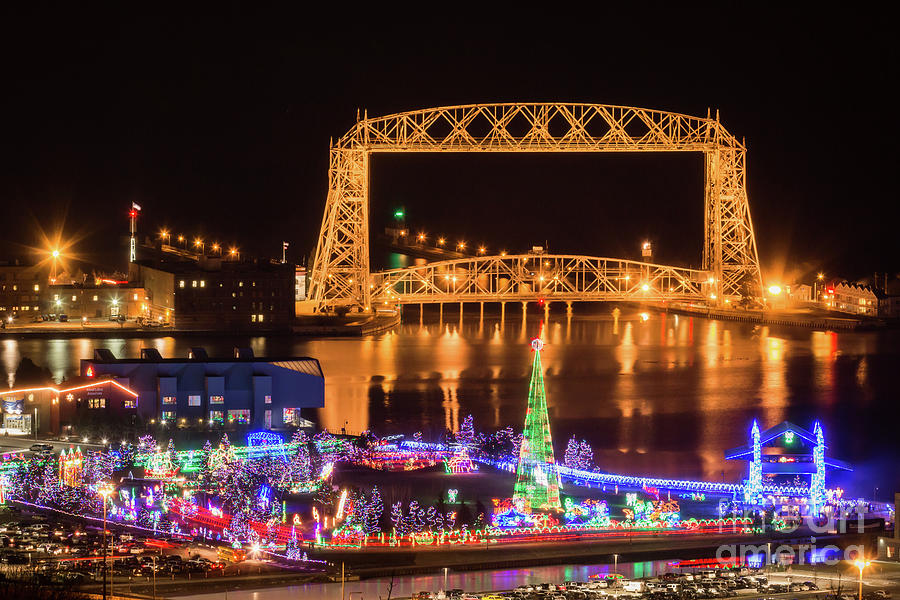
{"x":397,"y":519}
{"x":374,"y":510}
{"x":411,"y":518}
{"x":571,"y":455}
{"x":466,"y":433}
{"x":585,"y":455}
{"x":29,"y":374}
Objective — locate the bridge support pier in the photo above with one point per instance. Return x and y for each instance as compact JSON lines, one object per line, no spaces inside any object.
{"x":440,"y":312}
{"x":421,"y":312}
{"x":546,"y":312}
{"x":481,"y":308}
{"x":524,"y":309}
{"x":502,"y":311}
{"x":568,"y":309}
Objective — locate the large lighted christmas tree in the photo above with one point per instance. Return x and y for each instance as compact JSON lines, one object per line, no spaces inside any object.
{"x":537,"y":481}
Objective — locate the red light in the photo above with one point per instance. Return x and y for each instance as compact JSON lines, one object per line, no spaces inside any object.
{"x":830,"y":290}
{"x":132,"y":213}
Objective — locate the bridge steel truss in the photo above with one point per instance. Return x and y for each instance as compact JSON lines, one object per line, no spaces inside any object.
{"x":341,"y":272}
{"x":530,"y":276}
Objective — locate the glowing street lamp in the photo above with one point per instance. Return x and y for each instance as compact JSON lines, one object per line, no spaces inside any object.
{"x":774,"y":290}
{"x":421,"y":237}
{"x":441,"y":241}
{"x":198,"y":243}
{"x":164,"y":235}
{"x":216,"y":248}
{"x":54,"y":258}
{"x":861,"y":564}
{"x":481,"y":250}
{"x":105,"y":490}
{"x":461,"y":246}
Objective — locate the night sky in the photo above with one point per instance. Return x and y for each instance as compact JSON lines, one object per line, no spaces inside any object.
{"x":218,"y":124}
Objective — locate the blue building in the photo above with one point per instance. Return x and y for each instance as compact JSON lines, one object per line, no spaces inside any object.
{"x":200,"y":391}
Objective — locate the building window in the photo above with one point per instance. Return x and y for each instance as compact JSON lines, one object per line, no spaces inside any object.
{"x":290,"y":415}
{"x":253,"y":318}
{"x":96,"y":402}
{"x":168,"y":415}
{"x":203,"y":283}
{"x":181,"y":283}
{"x":132,"y":403}
{"x":260,"y":318}
{"x":169,"y":400}
{"x":240,"y":416}
{"x":74,"y":298}
{"x":268,"y":419}
{"x":217,"y":399}
{"x":194,"y":283}
{"x":194,"y":400}
{"x":217,"y":417}
{"x":37,"y":287}
{"x":267,"y":399}
{"x":95,"y":298}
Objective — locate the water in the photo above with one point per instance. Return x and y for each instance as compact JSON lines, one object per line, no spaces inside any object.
{"x":472,"y":581}
{"x":654,"y":394}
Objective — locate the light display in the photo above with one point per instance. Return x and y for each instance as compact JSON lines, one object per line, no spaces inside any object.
{"x":590,"y":512}
{"x":70,"y":467}
{"x":460,"y":464}
{"x":753,"y":485}
{"x":537,"y":481}
{"x":817,"y":481}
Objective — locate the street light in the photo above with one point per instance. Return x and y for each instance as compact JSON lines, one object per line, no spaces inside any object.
{"x":105,"y":490}
{"x":441,"y":241}
{"x":54,"y":257}
{"x":461,"y":246}
{"x":481,"y":250}
{"x":164,"y":235}
{"x":861,"y":564}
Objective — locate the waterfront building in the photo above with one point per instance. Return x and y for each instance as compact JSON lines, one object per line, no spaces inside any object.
{"x":855,"y":299}
{"x":102,"y":299}
{"x":55,"y":409}
{"x":20,"y":289}
{"x":241,"y":390}
{"x":217,"y":294}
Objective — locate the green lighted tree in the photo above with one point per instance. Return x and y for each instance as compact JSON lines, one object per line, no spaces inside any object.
{"x":537,"y":482}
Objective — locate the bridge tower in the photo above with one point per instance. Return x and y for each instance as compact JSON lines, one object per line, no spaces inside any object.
{"x":341,"y":272}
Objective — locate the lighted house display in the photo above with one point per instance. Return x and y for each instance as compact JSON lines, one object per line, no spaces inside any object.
{"x":783,"y":454}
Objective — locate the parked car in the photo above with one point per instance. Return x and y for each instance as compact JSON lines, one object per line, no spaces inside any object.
{"x":41,"y":447}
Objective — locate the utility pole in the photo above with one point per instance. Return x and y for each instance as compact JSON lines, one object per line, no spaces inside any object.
{"x":284,"y":247}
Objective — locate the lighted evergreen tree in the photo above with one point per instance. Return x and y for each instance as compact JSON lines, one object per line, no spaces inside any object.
{"x":585,"y":455}
{"x":397,"y":519}
{"x":374,"y":510}
{"x":571,"y":455}
{"x":466,"y":433}
{"x":537,"y":482}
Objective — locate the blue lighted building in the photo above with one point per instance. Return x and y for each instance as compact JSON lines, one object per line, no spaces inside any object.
{"x":241,"y":390}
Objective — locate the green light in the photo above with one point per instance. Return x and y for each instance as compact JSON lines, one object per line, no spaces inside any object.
{"x":789,"y":437}
{"x":399,"y":214}
{"x":537,"y":482}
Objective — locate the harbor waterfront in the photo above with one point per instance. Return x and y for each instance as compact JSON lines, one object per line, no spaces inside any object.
{"x":655,"y":394}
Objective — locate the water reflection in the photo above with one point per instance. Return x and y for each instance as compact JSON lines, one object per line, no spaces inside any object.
{"x":663,"y":396}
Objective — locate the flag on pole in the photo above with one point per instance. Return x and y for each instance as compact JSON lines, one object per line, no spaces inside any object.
{"x":135,"y":206}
